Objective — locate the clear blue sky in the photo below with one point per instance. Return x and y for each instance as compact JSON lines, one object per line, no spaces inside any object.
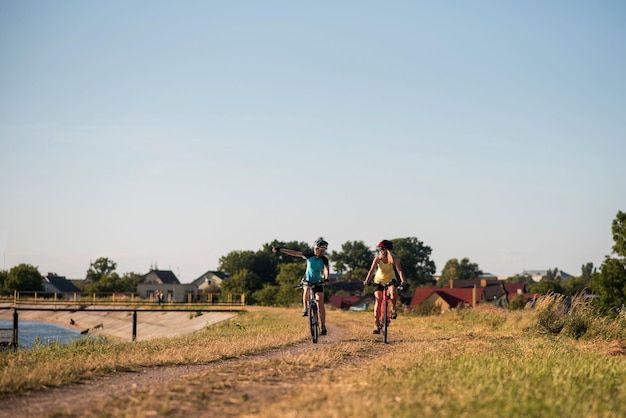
{"x":176,"y":132}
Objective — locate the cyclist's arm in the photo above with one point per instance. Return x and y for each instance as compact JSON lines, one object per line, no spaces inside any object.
{"x":372,"y":270}
{"x":396,"y":264}
{"x":287,"y":251}
{"x":326,"y":273}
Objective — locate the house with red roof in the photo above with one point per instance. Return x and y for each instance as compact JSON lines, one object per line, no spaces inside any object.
{"x":468,"y":293}
{"x":444,"y":299}
{"x":343,"y":302}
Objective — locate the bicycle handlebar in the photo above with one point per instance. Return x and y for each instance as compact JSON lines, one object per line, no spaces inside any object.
{"x":386,"y":285}
{"x":311,"y":284}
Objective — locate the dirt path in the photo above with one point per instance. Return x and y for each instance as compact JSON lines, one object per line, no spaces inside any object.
{"x":115,"y":393}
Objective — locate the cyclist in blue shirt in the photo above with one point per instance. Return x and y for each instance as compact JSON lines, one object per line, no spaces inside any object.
{"x":317,"y":271}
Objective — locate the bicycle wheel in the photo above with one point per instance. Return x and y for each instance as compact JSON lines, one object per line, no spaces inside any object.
{"x":385,"y":323}
{"x":314,"y":322}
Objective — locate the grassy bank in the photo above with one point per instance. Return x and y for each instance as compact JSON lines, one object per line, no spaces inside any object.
{"x":56,"y":364}
{"x":488,"y":364}
{"x":484,"y":362}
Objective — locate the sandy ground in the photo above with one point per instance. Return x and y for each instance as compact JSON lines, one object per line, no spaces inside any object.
{"x":120,"y":324}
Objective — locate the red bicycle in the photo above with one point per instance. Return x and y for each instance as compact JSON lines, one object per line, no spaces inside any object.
{"x":383,"y":316}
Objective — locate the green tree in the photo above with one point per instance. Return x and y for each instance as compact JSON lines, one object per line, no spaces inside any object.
{"x":267,"y":295}
{"x":3,"y":277}
{"x":610,"y":283}
{"x":549,"y":283}
{"x":284,"y":293}
{"x":243,"y":281}
{"x":455,"y":270}
{"x":100,"y":269}
{"x":578,"y":285}
{"x":288,"y":278}
{"x":254,"y":272}
{"x":415,"y":260}
{"x":618,"y":228}
{"x":106,"y":284}
{"x":450,"y":272}
{"x":281,"y":258}
{"x":524,"y":279}
{"x":469,"y":270}
{"x":546,"y":286}
{"x":129,"y":281}
{"x":102,"y":278}
{"x":551,"y":275}
{"x":587,"y":271}
{"x":359,"y":274}
{"x":353,"y":255}
{"x":23,"y":278}
{"x":517,"y":303}
{"x":262,"y":263}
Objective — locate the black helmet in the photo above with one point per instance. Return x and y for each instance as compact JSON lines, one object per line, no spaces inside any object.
{"x":321,"y":243}
{"x":386,"y":244}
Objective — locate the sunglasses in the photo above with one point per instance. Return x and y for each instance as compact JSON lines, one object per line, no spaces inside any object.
{"x":380,"y":250}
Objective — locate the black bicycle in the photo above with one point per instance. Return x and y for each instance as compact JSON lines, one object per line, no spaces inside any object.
{"x":312,"y":309}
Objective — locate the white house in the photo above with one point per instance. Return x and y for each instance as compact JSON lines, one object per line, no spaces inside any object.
{"x":167,"y":282}
{"x":536,"y":275}
{"x":209,"y":279}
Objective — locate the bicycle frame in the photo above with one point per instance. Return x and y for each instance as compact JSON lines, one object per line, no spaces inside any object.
{"x":313,"y":310}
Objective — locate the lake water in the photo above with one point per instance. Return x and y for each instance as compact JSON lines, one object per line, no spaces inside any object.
{"x":29,"y":331}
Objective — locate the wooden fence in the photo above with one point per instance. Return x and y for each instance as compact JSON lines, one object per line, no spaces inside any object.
{"x":120,"y":299}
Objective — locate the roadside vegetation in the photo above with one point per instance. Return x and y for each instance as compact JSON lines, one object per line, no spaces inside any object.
{"x":556,"y":359}
{"x":57,"y":364}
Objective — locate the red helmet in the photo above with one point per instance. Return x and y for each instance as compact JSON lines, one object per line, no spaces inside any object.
{"x":386,"y":244}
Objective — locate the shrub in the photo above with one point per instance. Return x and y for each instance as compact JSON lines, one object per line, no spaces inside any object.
{"x":577,"y":318}
{"x":425,"y":309}
{"x":551,"y":311}
{"x":517,"y":303}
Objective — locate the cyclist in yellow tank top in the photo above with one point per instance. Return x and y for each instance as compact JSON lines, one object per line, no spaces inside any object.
{"x":384,"y":267}
{"x":385,"y":272}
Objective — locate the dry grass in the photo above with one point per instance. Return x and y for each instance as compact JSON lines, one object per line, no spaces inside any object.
{"x":56,"y":364}
{"x":476,"y":362}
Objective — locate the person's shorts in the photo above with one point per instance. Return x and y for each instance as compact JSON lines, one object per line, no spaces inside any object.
{"x":380,"y":287}
{"x":318,"y":288}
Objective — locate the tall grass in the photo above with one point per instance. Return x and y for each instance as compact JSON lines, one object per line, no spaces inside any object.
{"x":578,"y":319}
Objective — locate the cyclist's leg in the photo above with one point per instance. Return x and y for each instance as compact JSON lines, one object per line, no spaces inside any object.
{"x":320,"y":302}
{"x":384,"y":320}
{"x":322,"y":309}
{"x":305,"y":298}
{"x":377,"y":306}
{"x":393,"y":295}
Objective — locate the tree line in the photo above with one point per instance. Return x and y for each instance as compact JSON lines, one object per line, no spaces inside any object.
{"x":269,"y":279}
{"x":101,"y":277}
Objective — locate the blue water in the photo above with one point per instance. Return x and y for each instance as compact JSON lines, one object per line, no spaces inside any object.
{"x":29,"y":331}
